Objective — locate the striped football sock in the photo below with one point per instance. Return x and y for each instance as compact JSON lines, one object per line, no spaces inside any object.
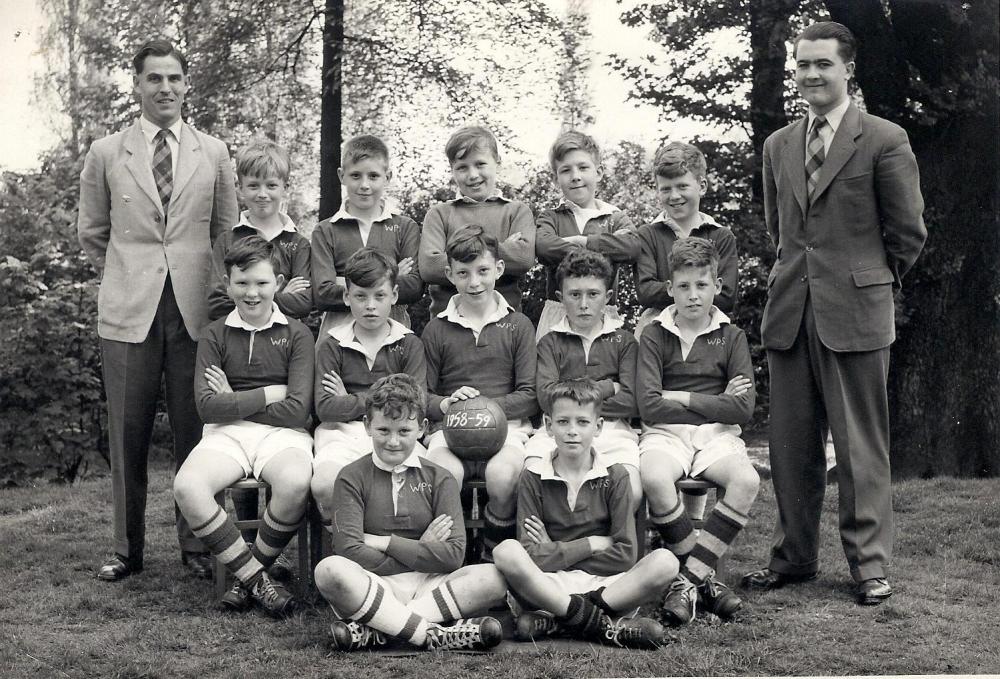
{"x":381,"y":610}
{"x":496,"y":529}
{"x":272,"y":537}
{"x":219,"y":534}
{"x":438,"y":605}
{"x":675,"y":528}
{"x":582,"y":617}
{"x":721,"y":528}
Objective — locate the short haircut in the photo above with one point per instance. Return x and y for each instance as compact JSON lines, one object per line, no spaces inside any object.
{"x":847,"y":46}
{"x":573,"y":140}
{"x":675,"y":158}
{"x":262,"y":158}
{"x":158,"y":47}
{"x":582,"y":390}
{"x":247,"y":251}
{"x":362,"y":147}
{"x":470,"y":242}
{"x":368,"y":267}
{"x":694,"y":252}
{"x":469,"y":138}
{"x":582,"y":264}
{"x":397,"y":396}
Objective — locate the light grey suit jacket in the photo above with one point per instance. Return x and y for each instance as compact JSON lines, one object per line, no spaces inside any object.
{"x":850,"y":246}
{"x":125,"y":234}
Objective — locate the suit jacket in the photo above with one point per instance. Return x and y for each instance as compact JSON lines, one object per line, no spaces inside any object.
{"x":125,"y":234}
{"x":850,"y":246}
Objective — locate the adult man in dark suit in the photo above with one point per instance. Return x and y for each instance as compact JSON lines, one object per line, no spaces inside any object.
{"x":843,"y":207}
{"x":152,"y":199}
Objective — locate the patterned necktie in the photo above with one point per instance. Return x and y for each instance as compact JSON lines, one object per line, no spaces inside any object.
{"x":815,"y":154}
{"x":163,"y":171}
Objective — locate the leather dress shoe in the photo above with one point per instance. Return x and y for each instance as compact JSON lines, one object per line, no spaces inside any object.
{"x":117,"y":568}
{"x":873,"y":591}
{"x":199,"y":563}
{"x":767,"y":579}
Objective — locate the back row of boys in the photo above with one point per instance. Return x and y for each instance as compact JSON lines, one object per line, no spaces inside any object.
{"x":690,"y":377}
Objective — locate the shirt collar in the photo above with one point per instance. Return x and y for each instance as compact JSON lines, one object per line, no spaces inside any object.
{"x":149,"y":129}
{"x":667,"y":318}
{"x":706,"y":220}
{"x":412,"y":461}
{"x":833,"y":116}
{"x":452,"y":314}
{"x":601,"y":208}
{"x":286,"y":222}
{"x":544,"y":468}
{"x":607,"y":327}
{"x":384,"y":215}
{"x":496,"y":196}
{"x":344,"y":334}
{"x":234,"y":320}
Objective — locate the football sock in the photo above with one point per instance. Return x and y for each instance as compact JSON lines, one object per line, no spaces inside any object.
{"x":597,"y":598}
{"x":381,"y":610}
{"x":273,"y":536}
{"x":675,"y":528}
{"x":438,"y":605}
{"x":219,"y":534}
{"x":582,"y":617}
{"x":721,"y":528}
{"x":497,"y":529}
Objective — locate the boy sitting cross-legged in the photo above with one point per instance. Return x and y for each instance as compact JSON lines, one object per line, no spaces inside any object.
{"x":575,"y":558}
{"x":399,"y":539}
{"x":588,"y":342}
{"x":480,"y":345}
{"x":350,"y":358}
{"x":695,"y":390}
{"x":253,"y":387}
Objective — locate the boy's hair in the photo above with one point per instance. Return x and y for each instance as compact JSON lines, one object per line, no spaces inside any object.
{"x":361,"y":147}
{"x":582,"y":390}
{"x":158,"y":47}
{"x":368,"y":267}
{"x":583,"y":264}
{"x":573,"y":140}
{"x":694,"y":252}
{"x":397,"y":395}
{"x":262,"y":158}
{"x":675,"y":158}
{"x":470,"y":242}
{"x":247,"y":251}
{"x":847,"y":45}
{"x":468,"y":138}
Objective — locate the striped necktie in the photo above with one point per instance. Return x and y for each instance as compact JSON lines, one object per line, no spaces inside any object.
{"x":815,"y":154}
{"x":163,"y":171}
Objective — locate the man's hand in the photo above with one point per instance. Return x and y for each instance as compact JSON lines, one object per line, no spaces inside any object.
{"x":513,"y":238}
{"x":217,"y":380}
{"x":598,"y":543}
{"x":405,"y":266}
{"x":576,"y":240}
{"x":275,"y":393}
{"x":682,"y":397}
{"x":296,"y":284}
{"x":438,"y":530}
{"x":535,"y":530}
{"x":617,"y":386}
{"x":333,"y":385}
{"x":738,"y":386}
{"x":461,"y":394}
{"x":379,"y":542}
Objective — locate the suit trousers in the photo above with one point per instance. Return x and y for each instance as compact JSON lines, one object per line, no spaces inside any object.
{"x":132,"y":375}
{"x":815,"y":390}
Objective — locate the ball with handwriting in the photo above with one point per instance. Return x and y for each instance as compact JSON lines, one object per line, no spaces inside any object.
{"x":475,"y":429}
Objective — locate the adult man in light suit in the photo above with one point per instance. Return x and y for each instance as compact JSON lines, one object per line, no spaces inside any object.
{"x":152,"y":199}
{"x":843,"y":207}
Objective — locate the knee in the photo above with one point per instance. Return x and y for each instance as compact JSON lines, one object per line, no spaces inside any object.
{"x":659,"y":486}
{"x":743,"y":486}
{"x":329,"y":575}
{"x":491,"y":580}
{"x":663,"y":568}
{"x":293,"y":481}
{"x":188,"y":488}
{"x":507,"y":557}
{"x":501,"y":475}
{"x":323,"y":479}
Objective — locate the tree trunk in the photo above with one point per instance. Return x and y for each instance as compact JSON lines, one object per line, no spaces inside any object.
{"x":331,"y":97}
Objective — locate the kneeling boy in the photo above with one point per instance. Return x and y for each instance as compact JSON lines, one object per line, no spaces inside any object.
{"x":253,"y":387}
{"x":576,"y":556}
{"x":695,"y":390}
{"x":399,"y":540}
{"x":351,"y":357}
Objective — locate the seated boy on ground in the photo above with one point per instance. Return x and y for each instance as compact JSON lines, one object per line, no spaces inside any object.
{"x":574,"y":560}
{"x":581,"y":221}
{"x":587,"y":342}
{"x":253,"y":385}
{"x":399,"y":540}
{"x":480,"y":345}
{"x":366,"y":219}
{"x":349,"y":360}
{"x":695,"y":390}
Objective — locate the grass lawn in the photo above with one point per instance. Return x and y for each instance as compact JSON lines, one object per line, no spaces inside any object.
{"x":57,"y":620}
